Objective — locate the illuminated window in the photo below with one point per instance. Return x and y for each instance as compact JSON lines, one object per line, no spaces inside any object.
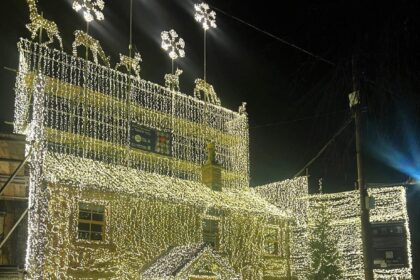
{"x":211,"y":232}
{"x":91,"y":224}
{"x":271,"y":241}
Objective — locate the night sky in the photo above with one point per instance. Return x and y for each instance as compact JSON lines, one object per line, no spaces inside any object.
{"x":296,"y":102}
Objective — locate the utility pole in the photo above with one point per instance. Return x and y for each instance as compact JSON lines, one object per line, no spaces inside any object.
{"x":355,"y":105}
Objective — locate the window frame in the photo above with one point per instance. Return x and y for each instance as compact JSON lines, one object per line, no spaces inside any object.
{"x":276,"y":242}
{"x":218,"y":233}
{"x":104,"y":223}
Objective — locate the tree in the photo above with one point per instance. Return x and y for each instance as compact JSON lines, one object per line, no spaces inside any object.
{"x":325,"y":257}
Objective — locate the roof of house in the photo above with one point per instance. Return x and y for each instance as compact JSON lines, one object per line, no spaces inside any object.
{"x":91,"y":174}
{"x":187,"y":260}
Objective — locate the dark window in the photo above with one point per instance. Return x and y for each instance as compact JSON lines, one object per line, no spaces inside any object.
{"x":271,"y":241}
{"x":91,"y":222}
{"x":211,"y":232}
{"x":389,"y":245}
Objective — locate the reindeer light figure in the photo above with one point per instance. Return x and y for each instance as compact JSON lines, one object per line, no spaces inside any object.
{"x":39,"y":22}
{"x":209,"y":95}
{"x":172,"y":80}
{"x":130,"y":63}
{"x":242,"y":109}
{"x":83,"y":39}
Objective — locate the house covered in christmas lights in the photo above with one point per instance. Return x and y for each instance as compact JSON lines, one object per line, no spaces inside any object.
{"x":122,"y":170}
{"x":129,"y":179}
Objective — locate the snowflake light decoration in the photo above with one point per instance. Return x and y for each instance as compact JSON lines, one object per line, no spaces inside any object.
{"x":90,"y":9}
{"x":171,"y":43}
{"x":204,"y":15}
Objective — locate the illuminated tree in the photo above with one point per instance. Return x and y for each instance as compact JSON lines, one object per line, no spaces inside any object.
{"x":325,"y":257}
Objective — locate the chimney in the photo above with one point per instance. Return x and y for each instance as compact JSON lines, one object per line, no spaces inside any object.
{"x":211,"y":172}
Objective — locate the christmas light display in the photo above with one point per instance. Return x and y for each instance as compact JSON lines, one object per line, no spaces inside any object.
{"x":205,"y":16}
{"x":390,"y":208}
{"x":290,"y":196}
{"x":85,"y":154}
{"x":172,"y":80}
{"x":183,"y":261}
{"x":39,"y":23}
{"x":81,"y":38}
{"x":172,"y":43}
{"x":130,"y":63}
{"x":103,"y":123}
{"x":90,"y":9}
{"x":136,"y":149}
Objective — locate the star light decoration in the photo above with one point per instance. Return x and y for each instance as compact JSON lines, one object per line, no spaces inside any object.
{"x":171,"y":43}
{"x":90,"y":9}
{"x":204,"y":15}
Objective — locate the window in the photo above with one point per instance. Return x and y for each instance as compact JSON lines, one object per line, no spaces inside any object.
{"x":211,"y":232}
{"x":389,"y":245}
{"x":271,"y":241}
{"x":91,"y":223}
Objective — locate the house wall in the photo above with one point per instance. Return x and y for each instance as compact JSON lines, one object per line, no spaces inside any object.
{"x":139,"y":229}
{"x":390,"y":207}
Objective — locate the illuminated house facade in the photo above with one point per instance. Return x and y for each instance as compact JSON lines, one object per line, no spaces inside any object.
{"x":391,"y":245}
{"x":126,"y":174}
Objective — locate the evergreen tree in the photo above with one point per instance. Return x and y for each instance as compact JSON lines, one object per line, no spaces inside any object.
{"x":325,"y":257}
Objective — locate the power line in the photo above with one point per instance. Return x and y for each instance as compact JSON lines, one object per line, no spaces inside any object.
{"x":298,"y":119}
{"x":275,"y":37}
{"x":324,"y":147}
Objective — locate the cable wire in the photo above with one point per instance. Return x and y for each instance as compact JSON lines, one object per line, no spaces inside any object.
{"x":275,"y":37}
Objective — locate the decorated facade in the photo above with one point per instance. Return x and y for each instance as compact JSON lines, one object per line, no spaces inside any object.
{"x":389,"y":228}
{"x":129,"y":179}
{"x":124,"y":171}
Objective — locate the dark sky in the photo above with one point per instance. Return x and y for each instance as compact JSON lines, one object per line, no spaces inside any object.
{"x":295,"y":101}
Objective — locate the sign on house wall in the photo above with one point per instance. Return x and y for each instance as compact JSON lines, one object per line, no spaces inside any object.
{"x":150,"y":139}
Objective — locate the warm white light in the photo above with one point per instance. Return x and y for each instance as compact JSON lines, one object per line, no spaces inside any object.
{"x":173,"y":43}
{"x":90,"y":9}
{"x":205,"y":16}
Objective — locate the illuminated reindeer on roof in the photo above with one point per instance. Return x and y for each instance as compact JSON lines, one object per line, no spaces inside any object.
{"x":209,"y":95}
{"x":83,"y":39}
{"x":38,"y":22}
{"x":130,"y":63}
{"x":172,"y":80}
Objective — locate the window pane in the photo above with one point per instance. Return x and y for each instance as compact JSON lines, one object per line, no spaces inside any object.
{"x":97,"y":208}
{"x":98,"y":217}
{"x":83,"y":227}
{"x":96,"y":236}
{"x":84,"y":215}
{"x":96,"y":228}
